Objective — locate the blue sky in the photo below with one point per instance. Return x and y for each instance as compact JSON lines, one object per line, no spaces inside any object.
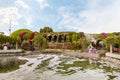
{"x":89,"y":16}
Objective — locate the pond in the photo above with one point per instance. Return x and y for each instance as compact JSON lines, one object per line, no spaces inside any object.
{"x":57,"y":67}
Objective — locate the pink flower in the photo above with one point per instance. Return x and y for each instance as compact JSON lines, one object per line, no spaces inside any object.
{"x":22,"y":34}
{"x":105,"y":34}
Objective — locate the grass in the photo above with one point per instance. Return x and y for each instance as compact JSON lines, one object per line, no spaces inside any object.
{"x":10,"y":65}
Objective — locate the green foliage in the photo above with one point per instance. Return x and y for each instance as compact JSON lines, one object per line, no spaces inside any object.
{"x":100,"y":36}
{"x":14,"y":40}
{"x":114,"y":40}
{"x":69,"y":37}
{"x":40,"y":42}
{"x":74,"y":37}
{"x":77,"y":44}
{"x":10,"y":65}
{"x":84,"y":43}
{"x":2,"y":38}
{"x":9,"y":39}
{"x":111,"y":35}
{"x":75,"y":40}
{"x":18,"y":32}
{"x":46,"y":30}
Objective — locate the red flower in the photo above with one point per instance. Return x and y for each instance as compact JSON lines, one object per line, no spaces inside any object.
{"x":32,"y":35}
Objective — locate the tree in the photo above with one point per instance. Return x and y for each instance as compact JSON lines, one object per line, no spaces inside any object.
{"x":40,"y":42}
{"x":113,"y":41}
{"x":27,"y":46}
{"x":84,"y":43}
{"x":2,"y":38}
{"x":9,"y":40}
{"x":14,"y":40}
{"x":46,"y":30}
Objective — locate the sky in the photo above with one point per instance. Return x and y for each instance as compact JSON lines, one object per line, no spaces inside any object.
{"x":89,"y":16}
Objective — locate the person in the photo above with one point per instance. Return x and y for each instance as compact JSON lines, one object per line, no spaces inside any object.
{"x":5,"y":47}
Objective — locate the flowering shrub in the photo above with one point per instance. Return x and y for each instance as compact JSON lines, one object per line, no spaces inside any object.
{"x":105,"y":34}
{"x":22,"y":34}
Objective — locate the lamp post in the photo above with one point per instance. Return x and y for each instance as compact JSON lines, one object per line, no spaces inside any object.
{"x":10,"y":21}
{"x":10,"y":25}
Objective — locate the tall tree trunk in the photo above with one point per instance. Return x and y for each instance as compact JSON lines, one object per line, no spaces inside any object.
{"x":111,"y":51}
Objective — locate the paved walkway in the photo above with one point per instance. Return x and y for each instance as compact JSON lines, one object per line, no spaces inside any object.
{"x":10,"y":51}
{"x":65,"y":52}
{"x":113,"y":55}
{"x":83,"y":54}
{"x":76,"y":53}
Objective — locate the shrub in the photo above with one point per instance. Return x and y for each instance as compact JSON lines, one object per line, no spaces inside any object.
{"x":40,"y":42}
{"x":27,"y":46}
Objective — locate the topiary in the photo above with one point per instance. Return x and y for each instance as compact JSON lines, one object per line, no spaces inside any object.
{"x":22,"y":33}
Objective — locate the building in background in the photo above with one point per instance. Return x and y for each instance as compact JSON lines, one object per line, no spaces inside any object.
{"x":2,"y":33}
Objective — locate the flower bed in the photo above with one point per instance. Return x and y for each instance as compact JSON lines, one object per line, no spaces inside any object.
{"x":117,"y":50}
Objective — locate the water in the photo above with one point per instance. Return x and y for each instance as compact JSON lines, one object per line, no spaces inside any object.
{"x":60,"y":67}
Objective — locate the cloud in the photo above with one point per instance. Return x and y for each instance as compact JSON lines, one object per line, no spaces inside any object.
{"x":43,"y":4}
{"x":19,"y":15}
{"x":97,"y":17}
{"x":25,"y":12}
{"x":21,"y":3}
{"x":29,"y":21}
{"x":7,"y":14}
{"x":103,"y":18}
{"x":69,"y":20}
